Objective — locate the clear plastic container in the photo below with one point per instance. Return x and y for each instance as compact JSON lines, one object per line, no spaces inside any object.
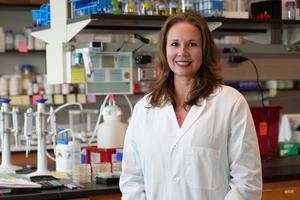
{"x":290,"y":10}
{"x":146,"y":8}
{"x":2,"y":40}
{"x":27,"y":77}
{"x":19,"y":39}
{"x":9,"y":40}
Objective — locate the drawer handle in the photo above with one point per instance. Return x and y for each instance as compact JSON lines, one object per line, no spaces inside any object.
{"x":289,"y":191}
{"x":267,"y":190}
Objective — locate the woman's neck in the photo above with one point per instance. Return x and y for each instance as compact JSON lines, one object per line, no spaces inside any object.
{"x":182,"y":93}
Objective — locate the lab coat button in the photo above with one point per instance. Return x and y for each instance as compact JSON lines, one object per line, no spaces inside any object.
{"x":175,"y":179}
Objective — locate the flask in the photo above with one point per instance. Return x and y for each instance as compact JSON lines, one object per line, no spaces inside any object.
{"x":290,"y":10}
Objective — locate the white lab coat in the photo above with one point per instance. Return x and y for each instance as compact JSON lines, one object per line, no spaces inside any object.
{"x":214,"y":155}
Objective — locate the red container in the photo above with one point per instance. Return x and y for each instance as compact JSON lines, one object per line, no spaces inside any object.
{"x":266,"y":120}
{"x":98,"y":155}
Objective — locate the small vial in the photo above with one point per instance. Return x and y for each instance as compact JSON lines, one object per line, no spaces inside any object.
{"x":290,"y":10}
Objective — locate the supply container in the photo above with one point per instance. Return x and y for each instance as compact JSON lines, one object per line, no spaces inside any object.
{"x":96,"y":155}
{"x":2,"y":40}
{"x":67,"y":155}
{"x":111,"y":132}
{"x":266,"y":120}
{"x":290,"y":10}
{"x":27,"y":77}
{"x":9,"y":40}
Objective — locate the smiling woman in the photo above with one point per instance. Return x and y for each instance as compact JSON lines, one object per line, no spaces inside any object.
{"x":191,"y":137}
{"x":184,"y":51}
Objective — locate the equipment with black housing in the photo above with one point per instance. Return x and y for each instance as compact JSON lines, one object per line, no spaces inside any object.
{"x":272,"y":7}
{"x":143,"y":59}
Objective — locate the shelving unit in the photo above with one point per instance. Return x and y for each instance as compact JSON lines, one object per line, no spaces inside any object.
{"x":271,"y":30}
{"x":18,"y":52}
{"x":23,"y":3}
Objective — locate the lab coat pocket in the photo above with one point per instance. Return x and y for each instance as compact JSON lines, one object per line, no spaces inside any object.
{"x":202,"y":168}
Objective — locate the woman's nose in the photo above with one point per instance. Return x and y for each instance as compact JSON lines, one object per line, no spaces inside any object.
{"x":183,"y":51}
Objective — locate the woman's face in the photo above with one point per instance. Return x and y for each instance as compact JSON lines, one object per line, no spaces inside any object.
{"x":184,"y":50}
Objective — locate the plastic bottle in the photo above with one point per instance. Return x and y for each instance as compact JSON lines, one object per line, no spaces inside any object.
{"x":2,"y":40}
{"x":29,"y":38}
{"x":160,"y":8}
{"x":61,"y":154}
{"x":4,"y":86}
{"x":15,"y":82}
{"x":67,"y":155}
{"x":130,"y":8}
{"x":173,"y":7}
{"x":291,"y":10}
{"x":9,"y":40}
{"x":27,"y":77}
{"x":19,"y":39}
{"x":111,"y":132}
{"x":146,"y":8}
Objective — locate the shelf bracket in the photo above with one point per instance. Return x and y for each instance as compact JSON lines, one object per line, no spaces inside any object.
{"x":59,"y":33}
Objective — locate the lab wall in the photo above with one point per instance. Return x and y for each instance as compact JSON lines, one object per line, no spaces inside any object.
{"x":270,"y":67}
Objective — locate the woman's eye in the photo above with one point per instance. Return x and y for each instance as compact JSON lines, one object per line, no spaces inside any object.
{"x":174,"y":44}
{"x":193,"y":44}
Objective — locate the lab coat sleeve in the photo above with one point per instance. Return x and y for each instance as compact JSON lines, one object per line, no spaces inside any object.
{"x":132,"y":180}
{"x":244,"y":157}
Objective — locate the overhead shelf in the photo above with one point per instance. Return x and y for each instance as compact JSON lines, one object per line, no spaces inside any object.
{"x":154,"y":23}
{"x":146,"y":22}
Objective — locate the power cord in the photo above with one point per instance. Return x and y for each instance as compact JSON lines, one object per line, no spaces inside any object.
{"x":123,"y":43}
{"x":235,"y":59}
{"x":136,"y":36}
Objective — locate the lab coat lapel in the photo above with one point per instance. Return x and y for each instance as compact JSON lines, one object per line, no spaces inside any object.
{"x":190,"y":119}
{"x":169,"y":110}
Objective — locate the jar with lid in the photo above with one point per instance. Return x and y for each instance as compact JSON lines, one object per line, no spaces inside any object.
{"x":27,"y":77}
{"x":146,"y":8}
{"x":19,"y":39}
{"x":160,"y":8}
{"x":290,"y":10}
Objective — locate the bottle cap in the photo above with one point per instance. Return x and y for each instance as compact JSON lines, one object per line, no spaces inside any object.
{"x":62,"y":141}
{"x":4,"y":100}
{"x":26,"y":67}
{"x":290,"y":4}
{"x":41,"y":100}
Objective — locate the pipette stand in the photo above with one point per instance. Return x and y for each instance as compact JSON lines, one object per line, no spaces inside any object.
{"x":40,"y":131}
{"x":5,"y":131}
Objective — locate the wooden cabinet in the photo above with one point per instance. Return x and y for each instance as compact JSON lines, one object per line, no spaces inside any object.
{"x":285,"y":190}
{"x":23,"y":2}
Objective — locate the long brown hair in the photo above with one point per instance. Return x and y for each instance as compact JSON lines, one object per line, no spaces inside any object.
{"x":208,"y":76}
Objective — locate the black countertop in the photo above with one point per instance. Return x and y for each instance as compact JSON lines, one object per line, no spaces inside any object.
{"x":89,"y":189}
{"x":281,"y":169}
{"x":274,"y":169}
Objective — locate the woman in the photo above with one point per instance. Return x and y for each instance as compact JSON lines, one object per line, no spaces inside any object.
{"x":190,"y":138}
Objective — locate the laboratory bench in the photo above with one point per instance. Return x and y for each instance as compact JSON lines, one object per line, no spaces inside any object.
{"x":89,"y":191}
{"x":281,"y":177}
